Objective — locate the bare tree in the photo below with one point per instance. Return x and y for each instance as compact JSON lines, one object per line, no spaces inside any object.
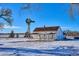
{"x":6,"y":14}
{"x":71,"y":13}
{"x":72,"y":10}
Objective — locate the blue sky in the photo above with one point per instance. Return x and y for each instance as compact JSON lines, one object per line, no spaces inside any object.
{"x":48,"y":14}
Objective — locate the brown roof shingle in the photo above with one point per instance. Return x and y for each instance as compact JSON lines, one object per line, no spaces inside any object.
{"x":53,"y":28}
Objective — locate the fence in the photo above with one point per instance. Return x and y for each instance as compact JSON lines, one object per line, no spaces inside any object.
{"x":33,"y":36}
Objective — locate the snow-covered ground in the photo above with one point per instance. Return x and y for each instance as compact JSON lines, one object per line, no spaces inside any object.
{"x":22,"y":47}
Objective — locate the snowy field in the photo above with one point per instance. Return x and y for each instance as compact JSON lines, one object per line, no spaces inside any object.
{"x":23,"y":47}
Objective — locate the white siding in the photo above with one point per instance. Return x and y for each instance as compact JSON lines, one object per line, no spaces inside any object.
{"x":35,"y":36}
{"x":46,"y":36}
{"x":59,"y":34}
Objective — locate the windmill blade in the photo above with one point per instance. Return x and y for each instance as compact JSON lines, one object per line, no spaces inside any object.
{"x":32,"y":21}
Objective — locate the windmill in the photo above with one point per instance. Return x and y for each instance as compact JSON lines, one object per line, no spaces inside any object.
{"x":28,"y":22}
{"x":25,"y":7}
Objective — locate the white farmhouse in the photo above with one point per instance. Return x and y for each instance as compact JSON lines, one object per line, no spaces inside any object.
{"x":53,"y":33}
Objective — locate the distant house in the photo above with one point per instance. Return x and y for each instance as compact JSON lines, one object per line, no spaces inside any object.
{"x":53,"y":33}
{"x":72,"y":35}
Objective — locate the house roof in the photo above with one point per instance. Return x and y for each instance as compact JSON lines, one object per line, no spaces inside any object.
{"x":72,"y":34}
{"x":53,"y":28}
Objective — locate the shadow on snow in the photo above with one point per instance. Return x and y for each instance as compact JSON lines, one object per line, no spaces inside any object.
{"x":60,"y":51}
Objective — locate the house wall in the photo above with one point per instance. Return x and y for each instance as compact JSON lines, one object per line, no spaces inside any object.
{"x":35,"y":36}
{"x":69,"y":37}
{"x":59,"y":34}
{"x":43,"y":36}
